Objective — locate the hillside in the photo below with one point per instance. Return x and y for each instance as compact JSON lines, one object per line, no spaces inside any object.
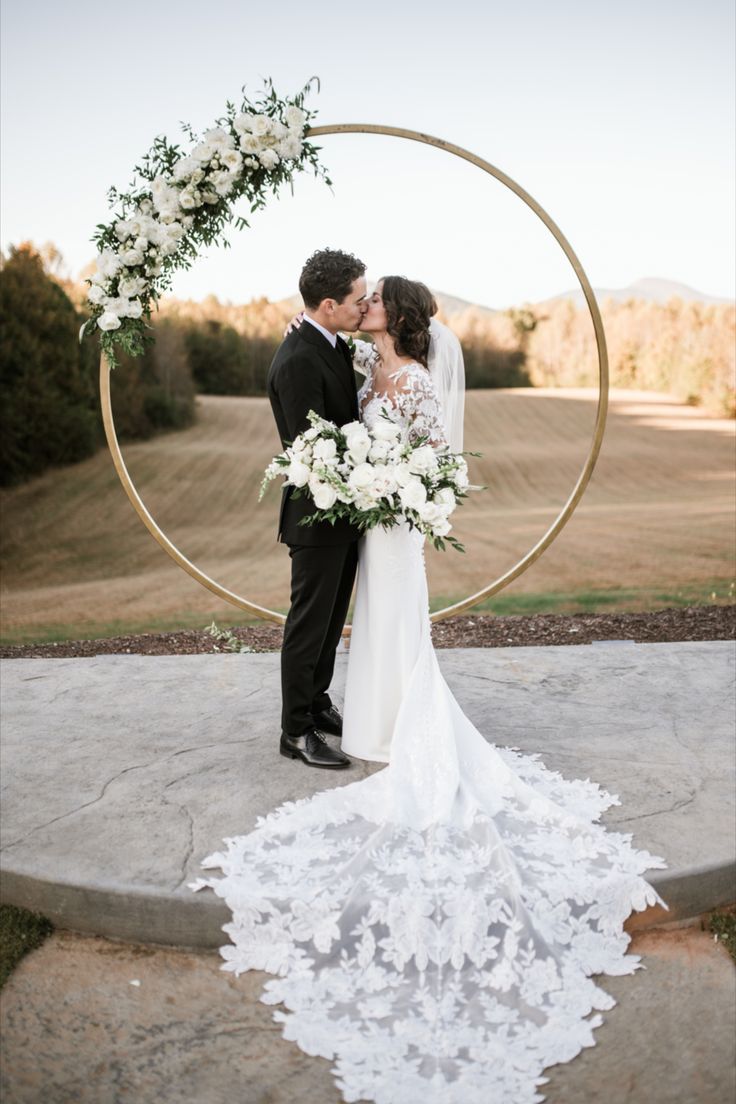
{"x":658,"y":513}
{"x":651,"y":289}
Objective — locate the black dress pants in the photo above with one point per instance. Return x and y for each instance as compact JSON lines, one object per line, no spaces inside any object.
{"x":321,"y":584}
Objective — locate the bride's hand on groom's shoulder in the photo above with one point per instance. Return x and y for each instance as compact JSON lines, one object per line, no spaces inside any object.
{"x":294,"y":324}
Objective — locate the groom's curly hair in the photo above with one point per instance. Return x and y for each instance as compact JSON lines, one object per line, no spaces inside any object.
{"x":409,"y":305}
{"x":328,"y":274}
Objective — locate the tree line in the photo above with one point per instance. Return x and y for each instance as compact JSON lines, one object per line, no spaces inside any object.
{"x":51,"y":413}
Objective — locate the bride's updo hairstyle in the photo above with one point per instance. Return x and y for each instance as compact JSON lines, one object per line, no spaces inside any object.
{"x":409,"y":306}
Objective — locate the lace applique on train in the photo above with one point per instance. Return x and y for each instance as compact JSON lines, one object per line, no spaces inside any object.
{"x":433,"y":928}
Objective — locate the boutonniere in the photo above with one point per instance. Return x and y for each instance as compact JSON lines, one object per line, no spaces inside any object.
{"x":351,"y":346}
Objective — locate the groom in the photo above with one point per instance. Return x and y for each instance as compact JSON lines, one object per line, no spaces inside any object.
{"x":313,"y":370}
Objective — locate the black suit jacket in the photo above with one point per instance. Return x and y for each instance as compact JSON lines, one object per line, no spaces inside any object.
{"x":308,"y":374}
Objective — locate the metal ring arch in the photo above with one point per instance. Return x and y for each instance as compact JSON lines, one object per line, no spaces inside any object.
{"x":575,"y":495}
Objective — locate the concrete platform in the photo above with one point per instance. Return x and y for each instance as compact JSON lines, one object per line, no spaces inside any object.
{"x":120,"y":773}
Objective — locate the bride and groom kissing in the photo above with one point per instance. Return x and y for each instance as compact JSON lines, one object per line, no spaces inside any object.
{"x":313,"y":370}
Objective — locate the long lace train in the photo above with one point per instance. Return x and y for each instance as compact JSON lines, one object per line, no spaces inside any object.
{"x":435,"y":927}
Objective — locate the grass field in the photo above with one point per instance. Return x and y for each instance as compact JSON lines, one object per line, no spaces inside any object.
{"x":655,"y":527}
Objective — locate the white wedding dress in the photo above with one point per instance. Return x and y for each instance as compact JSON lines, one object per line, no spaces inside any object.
{"x":434,"y":928}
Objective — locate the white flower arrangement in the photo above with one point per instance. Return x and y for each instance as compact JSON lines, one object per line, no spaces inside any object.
{"x":182,"y":201}
{"x":374,"y":477}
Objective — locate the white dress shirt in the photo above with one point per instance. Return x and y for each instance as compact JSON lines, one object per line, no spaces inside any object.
{"x":332,"y":338}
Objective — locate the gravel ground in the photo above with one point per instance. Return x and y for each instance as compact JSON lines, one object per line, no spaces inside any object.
{"x":480,"y":631}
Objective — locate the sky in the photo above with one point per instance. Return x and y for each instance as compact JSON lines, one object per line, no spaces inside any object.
{"x":617,"y":117}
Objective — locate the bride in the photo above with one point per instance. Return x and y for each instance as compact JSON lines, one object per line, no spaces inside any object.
{"x":433,"y":928}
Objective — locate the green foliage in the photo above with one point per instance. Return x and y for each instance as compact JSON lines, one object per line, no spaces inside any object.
{"x":489,"y":366}
{"x":50,"y":384}
{"x":226,"y":641}
{"x":224,"y":362}
{"x":48,"y":411}
{"x":155,"y":391}
{"x":723,"y":926}
{"x":20,"y":932}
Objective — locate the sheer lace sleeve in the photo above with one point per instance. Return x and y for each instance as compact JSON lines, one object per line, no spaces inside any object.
{"x":364,"y":357}
{"x":419,"y":404}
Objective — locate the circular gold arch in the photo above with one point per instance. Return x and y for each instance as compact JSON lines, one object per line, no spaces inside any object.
{"x":577,"y":491}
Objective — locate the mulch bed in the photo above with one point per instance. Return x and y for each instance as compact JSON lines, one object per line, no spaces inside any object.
{"x":472,"y":631}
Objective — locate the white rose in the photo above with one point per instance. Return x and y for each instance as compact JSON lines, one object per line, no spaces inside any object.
{"x":154,"y":269}
{"x":431,"y":513}
{"x":141,"y":244}
{"x":295,"y":118}
{"x":184,"y":168}
{"x":290,"y":147}
{"x":250,"y":144}
{"x":325,"y":449}
{"x":278,"y":131}
{"x":219,"y":139}
{"x":386,"y":430}
{"x":358,"y":454}
{"x":108,"y":264}
{"x":298,"y":473}
{"x":356,"y":434}
{"x":269,"y":158}
{"x":378,"y":450}
{"x":441,"y":528}
{"x":361,"y":477}
{"x":130,"y":286}
{"x":132,"y":257}
{"x":460,"y":479}
{"x":403,"y":475}
{"x":203,"y":152}
{"x":384,"y":480}
{"x":324,"y":495}
{"x":364,"y":501}
{"x":261,"y":125}
{"x":123,"y":229}
{"x":423,"y":460}
{"x":108,"y":321}
{"x":445,"y":497}
{"x":243,"y":122}
{"x":96,"y":294}
{"x":232,"y":160}
{"x":310,"y":434}
{"x":133,"y":309}
{"x":413,"y":495}
{"x":187,"y":200}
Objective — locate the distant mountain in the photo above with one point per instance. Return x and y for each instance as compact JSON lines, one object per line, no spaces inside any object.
{"x":651,"y":288}
{"x":449,"y":305}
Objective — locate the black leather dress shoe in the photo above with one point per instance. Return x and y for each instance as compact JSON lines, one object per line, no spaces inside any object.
{"x":312,"y":748}
{"x":329,"y":720}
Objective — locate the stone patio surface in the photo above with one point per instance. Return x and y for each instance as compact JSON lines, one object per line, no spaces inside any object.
{"x":121,"y":773}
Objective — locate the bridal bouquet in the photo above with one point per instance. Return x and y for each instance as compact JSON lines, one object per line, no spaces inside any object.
{"x":374,"y":477}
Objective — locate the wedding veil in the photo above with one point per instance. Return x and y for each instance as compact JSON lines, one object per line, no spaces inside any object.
{"x":447,"y":370}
